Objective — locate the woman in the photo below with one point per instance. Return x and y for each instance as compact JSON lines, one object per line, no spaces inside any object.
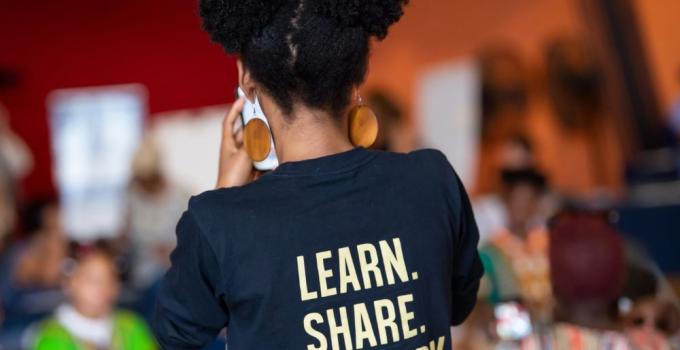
{"x":339,"y":247}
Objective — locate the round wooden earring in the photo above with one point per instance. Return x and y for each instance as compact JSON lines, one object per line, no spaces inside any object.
{"x":363,"y":126}
{"x":257,"y":139}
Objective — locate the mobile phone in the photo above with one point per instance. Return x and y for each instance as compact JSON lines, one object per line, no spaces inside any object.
{"x":512,"y":321}
{"x":253,"y":110}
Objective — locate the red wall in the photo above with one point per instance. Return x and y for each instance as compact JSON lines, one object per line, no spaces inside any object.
{"x":75,"y":43}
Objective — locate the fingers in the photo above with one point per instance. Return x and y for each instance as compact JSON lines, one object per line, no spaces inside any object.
{"x":235,"y":170}
{"x":228,"y":141}
{"x":242,"y":160}
{"x":238,"y":138}
{"x":234,"y":113}
{"x":235,"y":167}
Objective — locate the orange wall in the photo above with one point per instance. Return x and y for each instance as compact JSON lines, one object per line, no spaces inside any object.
{"x":437,"y":31}
{"x":660,"y":26}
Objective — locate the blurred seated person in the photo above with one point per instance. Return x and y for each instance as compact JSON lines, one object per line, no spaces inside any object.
{"x":490,"y":209}
{"x":30,"y":272}
{"x":154,"y":206}
{"x":47,"y":246}
{"x":16,"y":161}
{"x":587,"y":273}
{"x":8,"y":218}
{"x":648,"y":320}
{"x":515,"y":256}
{"x":393,"y":133}
{"x":15,"y":156}
{"x":8,"y":214}
{"x":90,"y":319}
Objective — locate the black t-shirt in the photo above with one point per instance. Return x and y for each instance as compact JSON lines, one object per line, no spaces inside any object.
{"x":358,"y":250}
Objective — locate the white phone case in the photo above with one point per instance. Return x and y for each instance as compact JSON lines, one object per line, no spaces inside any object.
{"x":252,"y":111}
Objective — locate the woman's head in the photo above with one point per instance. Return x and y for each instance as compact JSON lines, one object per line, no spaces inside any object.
{"x":309,"y":53}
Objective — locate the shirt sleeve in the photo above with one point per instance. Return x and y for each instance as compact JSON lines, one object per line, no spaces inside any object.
{"x":190,"y":311}
{"x":467,"y":266}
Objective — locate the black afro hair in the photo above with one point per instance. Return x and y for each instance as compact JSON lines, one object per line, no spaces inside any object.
{"x":308,"y":51}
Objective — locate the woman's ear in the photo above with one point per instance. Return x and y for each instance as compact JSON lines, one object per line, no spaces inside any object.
{"x":245,"y":80}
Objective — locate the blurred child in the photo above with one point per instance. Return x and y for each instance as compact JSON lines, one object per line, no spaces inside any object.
{"x":90,"y":319}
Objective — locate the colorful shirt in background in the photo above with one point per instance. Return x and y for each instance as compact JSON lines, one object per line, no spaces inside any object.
{"x":571,"y":337}
{"x":518,"y":268}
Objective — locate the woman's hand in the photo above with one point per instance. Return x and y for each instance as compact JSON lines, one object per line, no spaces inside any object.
{"x":236,"y":167}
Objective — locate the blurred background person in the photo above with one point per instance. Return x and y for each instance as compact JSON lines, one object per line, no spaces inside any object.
{"x":514,"y":250}
{"x":515,"y":256}
{"x":587,"y":272}
{"x":16,"y":159}
{"x":45,"y":247}
{"x":31,"y":270}
{"x":515,"y":155}
{"x":649,"y":321}
{"x":90,"y":319}
{"x":8,"y":217}
{"x":153,"y":208}
{"x":16,"y":162}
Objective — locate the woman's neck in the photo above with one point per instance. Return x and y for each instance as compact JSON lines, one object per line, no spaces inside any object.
{"x":311,"y":134}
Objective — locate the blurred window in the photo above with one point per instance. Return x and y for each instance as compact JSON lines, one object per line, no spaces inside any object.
{"x":95,"y":132}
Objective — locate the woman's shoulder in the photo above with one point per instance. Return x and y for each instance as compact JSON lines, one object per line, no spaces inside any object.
{"x":428,"y":156}
{"x":217,"y":207}
{"x":424,"y":161}
{"x":424,"y":169}
{"x":425,"y":166}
